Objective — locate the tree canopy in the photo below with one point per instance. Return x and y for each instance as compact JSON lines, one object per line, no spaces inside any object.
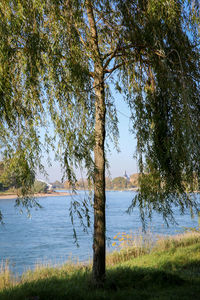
{"x":63,"y":58}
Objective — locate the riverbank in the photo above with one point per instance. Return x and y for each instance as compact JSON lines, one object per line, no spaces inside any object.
{"x":51,"y":194}
{"x":168,"y":270}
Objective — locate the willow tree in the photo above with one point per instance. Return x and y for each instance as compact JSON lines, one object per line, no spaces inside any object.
{"x":65,"y":57}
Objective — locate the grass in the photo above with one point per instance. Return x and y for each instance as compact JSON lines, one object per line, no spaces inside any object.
{"x":167,"y":269}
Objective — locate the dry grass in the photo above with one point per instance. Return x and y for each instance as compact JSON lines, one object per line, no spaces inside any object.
{"x":179,"y":240}
{"x":131,"y":245}
{"x":128,"y":246}
{"x":7,"y":279}
{"x":41,"y":271}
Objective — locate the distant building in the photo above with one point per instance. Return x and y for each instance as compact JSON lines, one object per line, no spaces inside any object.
{"x":126,"y":177}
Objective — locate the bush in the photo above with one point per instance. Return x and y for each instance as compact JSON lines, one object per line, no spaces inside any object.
{"x":40,"y":187}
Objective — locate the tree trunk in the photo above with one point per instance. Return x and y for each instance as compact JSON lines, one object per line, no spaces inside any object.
{"x":99,"y":249}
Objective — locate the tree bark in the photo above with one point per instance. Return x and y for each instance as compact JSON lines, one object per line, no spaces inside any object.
{"x":99,"y":248}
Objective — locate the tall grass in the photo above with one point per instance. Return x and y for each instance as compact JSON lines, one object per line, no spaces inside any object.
{"x":179,"y":240}
{"x":6,"y":277}
{"x":132,"y":245}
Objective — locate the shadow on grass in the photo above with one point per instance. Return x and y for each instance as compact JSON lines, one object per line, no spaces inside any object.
{"x":141,"y":278}
{"x":122,"y":283}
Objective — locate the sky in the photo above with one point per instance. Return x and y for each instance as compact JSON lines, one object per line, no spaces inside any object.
{"x":119,"y":162}
{"x":123,"y":161}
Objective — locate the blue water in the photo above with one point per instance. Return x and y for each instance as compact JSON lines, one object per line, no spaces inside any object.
{"x":48,"y":236}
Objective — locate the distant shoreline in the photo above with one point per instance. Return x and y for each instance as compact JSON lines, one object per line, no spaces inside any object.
{"x":52,"y":194}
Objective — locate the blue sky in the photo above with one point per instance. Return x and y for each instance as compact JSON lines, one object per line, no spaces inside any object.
{"x":119,"y":162}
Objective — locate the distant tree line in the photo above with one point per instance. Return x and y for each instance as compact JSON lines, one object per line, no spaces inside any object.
{"x":117,"y":183}
{"x":1,"y":172}
{"x":12,"y":182}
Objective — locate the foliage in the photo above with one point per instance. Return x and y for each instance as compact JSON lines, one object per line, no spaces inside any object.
{"x":40,"y":187}
{"x":109,"y":183}
{"x":1,"y":168}
{"x":1,"y":187}
{"x":153,"y":45}
{"x":168,"y":142}
{"x":1,"y":173}
{"x":120,"y":182}
{"x":17,"y":173}
{"x":117,"y":183}
{"x":20,"y":176}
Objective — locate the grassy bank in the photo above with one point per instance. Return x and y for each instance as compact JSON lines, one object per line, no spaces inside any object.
{"x":169,"y":269}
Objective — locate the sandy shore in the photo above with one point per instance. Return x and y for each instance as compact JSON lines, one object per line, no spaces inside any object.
{"x":53,"y":194}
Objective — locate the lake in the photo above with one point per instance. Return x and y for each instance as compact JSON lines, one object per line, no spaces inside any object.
{"x":48,"y":236}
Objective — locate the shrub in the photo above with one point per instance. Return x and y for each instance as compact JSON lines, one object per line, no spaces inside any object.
{"x":40,"y":187}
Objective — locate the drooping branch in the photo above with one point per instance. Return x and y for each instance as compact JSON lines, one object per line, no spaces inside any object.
{"x":120,"y":51}
{"x":113,"y":27}
{"x":114,"y":68}
{"x":112,"y":55}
